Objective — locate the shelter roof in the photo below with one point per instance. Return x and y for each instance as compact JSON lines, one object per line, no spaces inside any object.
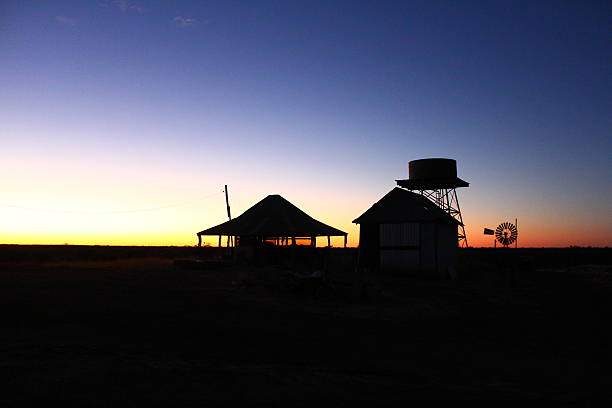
{"x":400,"y":205}
{"x":274,"y":217}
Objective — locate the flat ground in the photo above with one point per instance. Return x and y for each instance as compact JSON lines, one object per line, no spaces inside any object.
{"x":141,"y":331}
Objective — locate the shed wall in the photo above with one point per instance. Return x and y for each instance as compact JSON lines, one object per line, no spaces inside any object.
{"x":399,"y":259}
{"x":447,"y":248}
{"x":399,"y":245}
{"x":404,"y":234}
{"x":369,"y":243}
{"x":409,"y":247}
{"x":427,"y":246}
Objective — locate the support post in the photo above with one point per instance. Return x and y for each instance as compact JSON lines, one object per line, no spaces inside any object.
{"x":229,"y":214}
{"x":516,"y":225}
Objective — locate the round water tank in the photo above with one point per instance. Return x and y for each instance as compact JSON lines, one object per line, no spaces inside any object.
{"x":424,"y":169}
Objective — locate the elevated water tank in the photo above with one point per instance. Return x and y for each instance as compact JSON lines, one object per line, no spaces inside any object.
{"x":424,"y":169}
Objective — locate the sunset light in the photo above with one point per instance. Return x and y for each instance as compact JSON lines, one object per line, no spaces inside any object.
{"x":123,"y":135}
{"x":272,"y":203}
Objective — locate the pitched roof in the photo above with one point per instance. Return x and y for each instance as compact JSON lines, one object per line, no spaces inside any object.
{"x":274,"y":217}
{"x":400,"y":205}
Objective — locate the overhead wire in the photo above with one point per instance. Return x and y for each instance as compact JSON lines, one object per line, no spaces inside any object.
{"x":61,"y":211}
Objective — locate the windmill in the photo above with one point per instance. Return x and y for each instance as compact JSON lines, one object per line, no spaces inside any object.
{"x":506,"y":234}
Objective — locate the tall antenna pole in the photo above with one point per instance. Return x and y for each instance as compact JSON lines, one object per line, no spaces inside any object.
{"x":229,"y":213}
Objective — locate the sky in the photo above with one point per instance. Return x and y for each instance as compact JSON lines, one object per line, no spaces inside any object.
{"x":120,"y":121}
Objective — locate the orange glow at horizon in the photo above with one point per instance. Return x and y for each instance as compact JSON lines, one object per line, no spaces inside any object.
{"x":75,"y":202}
{"x":171,"y":228}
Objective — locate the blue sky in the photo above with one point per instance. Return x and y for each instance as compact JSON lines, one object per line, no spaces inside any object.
{"x":322,"y":102}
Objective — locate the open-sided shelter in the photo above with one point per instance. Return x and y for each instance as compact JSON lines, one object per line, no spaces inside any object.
{"x":273,"y":219}
{"x":408,"y":232}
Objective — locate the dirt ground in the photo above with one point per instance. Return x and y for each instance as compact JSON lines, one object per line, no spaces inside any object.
{"x":142,"y":331}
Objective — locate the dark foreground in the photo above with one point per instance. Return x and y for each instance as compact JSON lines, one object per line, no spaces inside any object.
{"x":140,"y":331}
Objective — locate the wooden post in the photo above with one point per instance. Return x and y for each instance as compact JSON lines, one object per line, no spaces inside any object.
{"x":199,"y":240}
{"x":328,"y":241}
{"x":229,"y":213}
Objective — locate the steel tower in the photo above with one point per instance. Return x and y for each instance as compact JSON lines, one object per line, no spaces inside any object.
{"x":437,"y":180}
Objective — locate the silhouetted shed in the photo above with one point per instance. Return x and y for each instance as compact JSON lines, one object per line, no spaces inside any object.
{"x":407,"y":231}
{"x":274,"y":218}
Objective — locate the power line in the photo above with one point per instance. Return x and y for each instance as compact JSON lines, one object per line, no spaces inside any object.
{"x":59,"y":211}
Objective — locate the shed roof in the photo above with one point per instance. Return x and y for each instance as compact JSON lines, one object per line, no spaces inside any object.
{"x":400,"y":205}
{"x":274,"y":217}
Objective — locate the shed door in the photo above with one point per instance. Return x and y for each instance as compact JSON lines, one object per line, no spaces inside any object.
{"x":399,"y":246}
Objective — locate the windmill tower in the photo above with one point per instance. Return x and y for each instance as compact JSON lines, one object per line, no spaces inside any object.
{"x":437,"y":180}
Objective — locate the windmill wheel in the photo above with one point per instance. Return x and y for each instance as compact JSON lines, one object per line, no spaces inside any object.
{"x":506,"y":233}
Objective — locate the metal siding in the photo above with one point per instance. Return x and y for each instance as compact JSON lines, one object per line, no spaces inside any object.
{"x":428,"y":246}
{"x":447,"y":243}
{"x":399,"y":245}
{"x":398,"y":259}
{"x":404,"y":234}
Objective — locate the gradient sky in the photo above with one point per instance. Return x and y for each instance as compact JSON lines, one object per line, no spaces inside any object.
{"x":121,"y":121}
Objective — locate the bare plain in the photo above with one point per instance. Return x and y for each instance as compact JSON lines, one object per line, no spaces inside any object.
{"x":126,"y":326}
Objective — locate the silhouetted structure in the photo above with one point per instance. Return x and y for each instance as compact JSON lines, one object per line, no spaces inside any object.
{"x":506,"y":233}
{"x":275,"y":220}
{"x":437,"y":180}
{"x":406,"y":231}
